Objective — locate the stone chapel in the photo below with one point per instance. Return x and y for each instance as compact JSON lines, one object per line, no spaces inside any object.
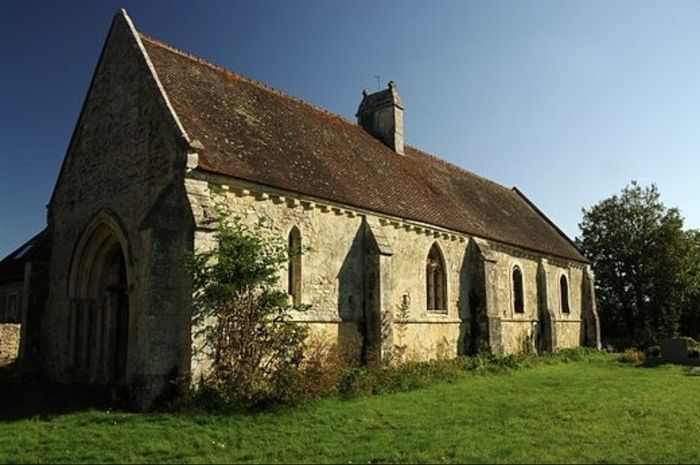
{"x":397,"y":236}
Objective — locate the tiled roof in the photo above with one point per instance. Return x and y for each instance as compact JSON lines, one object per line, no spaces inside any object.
{"x":252,"y":132}
{"x":12,"y":266}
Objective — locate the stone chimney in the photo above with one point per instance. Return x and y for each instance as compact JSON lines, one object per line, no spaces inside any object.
{"x":381,"y":114}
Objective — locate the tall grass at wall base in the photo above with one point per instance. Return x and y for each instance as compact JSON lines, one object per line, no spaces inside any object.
{"x":328,"y":374}
{"x":382,"y":379}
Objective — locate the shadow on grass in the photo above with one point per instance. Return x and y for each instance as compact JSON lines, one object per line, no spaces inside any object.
{"x":24,"y":397}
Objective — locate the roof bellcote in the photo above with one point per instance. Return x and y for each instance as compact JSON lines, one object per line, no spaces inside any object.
{"x":381,"y":114}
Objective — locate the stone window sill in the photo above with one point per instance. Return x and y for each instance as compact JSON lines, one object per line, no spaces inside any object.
{"x":437,"y":312}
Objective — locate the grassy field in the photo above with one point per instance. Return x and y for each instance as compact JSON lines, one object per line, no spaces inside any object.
{"x":593,"y":411}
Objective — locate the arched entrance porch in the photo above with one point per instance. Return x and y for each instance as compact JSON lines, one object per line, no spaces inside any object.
{"x":99,"y":305}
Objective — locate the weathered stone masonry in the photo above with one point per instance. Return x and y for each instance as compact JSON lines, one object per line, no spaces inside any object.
{"x":333,"y":271}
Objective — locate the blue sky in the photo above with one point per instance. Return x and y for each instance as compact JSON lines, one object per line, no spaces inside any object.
{"x":568,"y":100}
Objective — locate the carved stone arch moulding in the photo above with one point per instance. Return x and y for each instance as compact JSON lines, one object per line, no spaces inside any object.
{"x":103,"y":229}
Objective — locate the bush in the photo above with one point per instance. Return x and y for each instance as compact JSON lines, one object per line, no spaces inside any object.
{"x":654,"y":351}
{"x":324,"y":372}
{"x":693,"y":347}
{"x":411,"y":375}
{"x":321,"y":373}
{"x":632,"y":356}
{"x":240,"y":320}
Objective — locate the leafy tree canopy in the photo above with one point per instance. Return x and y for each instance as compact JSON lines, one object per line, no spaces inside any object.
{"x":647,"y":267}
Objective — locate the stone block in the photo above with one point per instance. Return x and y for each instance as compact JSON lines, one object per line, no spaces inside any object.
{"x":9,"y":342}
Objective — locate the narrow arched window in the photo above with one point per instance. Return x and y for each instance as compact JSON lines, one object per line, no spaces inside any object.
{"x":518,"y":297}
{"x":564,"y":291}
{"x":294,"y":268}
{"x":435,"y":280}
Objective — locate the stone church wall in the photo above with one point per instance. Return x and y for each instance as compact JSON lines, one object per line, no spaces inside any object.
{"x":542,"y":300}
{"x":332,"y":273}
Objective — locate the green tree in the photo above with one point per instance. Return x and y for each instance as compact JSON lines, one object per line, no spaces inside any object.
{"x":690,"y":317}
{"x":241,"y":315}
{"x":643,"y":261}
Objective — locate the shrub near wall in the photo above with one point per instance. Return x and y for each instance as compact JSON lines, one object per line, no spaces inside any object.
{"x":242,"y":318}
{"x":324,"y":373}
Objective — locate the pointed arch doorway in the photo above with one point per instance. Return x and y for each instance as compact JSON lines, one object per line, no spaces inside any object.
{"x":99,"y":305}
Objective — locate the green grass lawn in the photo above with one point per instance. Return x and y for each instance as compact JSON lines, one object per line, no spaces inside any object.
{"x":591,"y":411}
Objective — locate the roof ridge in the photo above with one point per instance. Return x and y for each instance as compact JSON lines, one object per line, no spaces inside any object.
{"x":11,"y":256}
{"x":247,"y":79}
